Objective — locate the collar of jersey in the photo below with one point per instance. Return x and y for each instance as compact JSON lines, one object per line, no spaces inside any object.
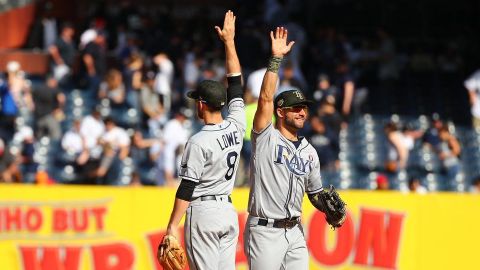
{"x":290,"y":144}
{"x":222,"y":125}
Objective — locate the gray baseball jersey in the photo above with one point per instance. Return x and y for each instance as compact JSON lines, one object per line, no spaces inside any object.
{"x":211,"y":156}
{"x":211,"y":159}
{"x":281,"y":174}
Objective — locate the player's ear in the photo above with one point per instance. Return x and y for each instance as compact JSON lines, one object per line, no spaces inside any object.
{"x":279,"y":113}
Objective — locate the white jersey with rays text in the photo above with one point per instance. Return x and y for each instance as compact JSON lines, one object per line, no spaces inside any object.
{"x":212,"y":155}
{"x":280,"y":174}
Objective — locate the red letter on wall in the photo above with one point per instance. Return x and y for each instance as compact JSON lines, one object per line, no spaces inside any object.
{"x":379,"y":231}
{"x":317,"y":240}
{"x":13,"y":218}
{"x":99,"y":214}
{"x":240,"y":255}
{"x":60,"y":217}
{"x":50,"y":260}
{"x":113,"y":257}
{"x":33,"y":219}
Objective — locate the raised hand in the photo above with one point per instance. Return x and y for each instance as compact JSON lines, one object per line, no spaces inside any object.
{"x":279,"y":42}
{"x":228,"y":31}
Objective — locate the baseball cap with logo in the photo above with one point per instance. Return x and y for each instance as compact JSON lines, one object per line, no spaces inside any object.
{"x":291,"y":98}
{"x":210,"y":92}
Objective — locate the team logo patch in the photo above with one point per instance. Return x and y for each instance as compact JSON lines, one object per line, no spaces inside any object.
{"x":299,"y":94}
{"x":280,"y":102}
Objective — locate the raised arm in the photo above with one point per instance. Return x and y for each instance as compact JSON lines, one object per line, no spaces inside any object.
{"x":236,"y":109}
{"x":264,"y":113}
{"x":227,"y":35}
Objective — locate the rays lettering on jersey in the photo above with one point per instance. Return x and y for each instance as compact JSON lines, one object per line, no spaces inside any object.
{"x":295,"y":164}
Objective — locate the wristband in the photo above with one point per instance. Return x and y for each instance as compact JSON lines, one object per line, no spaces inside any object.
{"x":274,"y":64}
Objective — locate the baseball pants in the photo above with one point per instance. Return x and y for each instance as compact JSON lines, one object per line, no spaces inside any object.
{"x":211,"y":235}
{"x":272,"y":248}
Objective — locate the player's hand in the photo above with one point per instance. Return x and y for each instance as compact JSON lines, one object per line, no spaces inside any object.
{"x":228,"y":31}
{"x":279,"y":42}
{"x":172,"y":230}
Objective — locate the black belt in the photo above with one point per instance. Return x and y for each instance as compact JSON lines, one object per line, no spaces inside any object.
{"x":214,"y":198}
{"x":281,"y":223}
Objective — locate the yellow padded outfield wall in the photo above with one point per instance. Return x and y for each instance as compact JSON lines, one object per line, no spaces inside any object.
{"x":108,"y":228}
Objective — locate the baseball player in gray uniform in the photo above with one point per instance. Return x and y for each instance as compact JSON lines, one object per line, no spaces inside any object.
{"x":209,"y":166}
{"x":283,"y":167}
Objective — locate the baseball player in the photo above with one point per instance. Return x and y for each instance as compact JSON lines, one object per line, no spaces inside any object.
{"x":209,"y":165}
{"x":284,"y":166}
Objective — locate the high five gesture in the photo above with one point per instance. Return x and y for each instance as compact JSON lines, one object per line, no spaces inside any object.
{"x":279,"y":42}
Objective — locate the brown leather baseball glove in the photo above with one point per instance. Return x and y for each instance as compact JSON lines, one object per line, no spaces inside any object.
{"x":330,"y":203}
{"x":170,"y":254}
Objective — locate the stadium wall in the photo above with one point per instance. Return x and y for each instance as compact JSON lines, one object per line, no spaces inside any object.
{"x":106,"y":228}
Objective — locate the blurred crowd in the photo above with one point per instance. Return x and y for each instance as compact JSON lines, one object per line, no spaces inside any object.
{"x":112,"y":108}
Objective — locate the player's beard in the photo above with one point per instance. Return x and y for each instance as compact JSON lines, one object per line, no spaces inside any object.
{"x":292,"y":123}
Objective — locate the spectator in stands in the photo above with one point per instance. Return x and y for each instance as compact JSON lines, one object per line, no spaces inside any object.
{"x":324,"y":89}
{"x":95,"y":61}
{"x":382,"y":182}
{"x":400,"y":143}
{"x":139,"y":152}
{"x":397,"y":149}
{"x":329,"y":116}
{"x":288,"y":80}
{"x":325,"y":141}
{"x":74,"y":143}
{"x":431,"y":136}
{"x":448,"y":151}
{"x":475,"y":188}
{"x":415,"y":186}
{"x":15,"y":95}
{"x":8,"y":111}
{"x":48,"y":109}
{"x":344,"y":81}
{"x":410,"y":135}
{"x":132,"y":77}
{"x":113,"y":89}
{"x":116,"y":146}
{"x":63,"y":54}
{"x":192,"y":70}
{"x":473,"y":86}
{"x":164,"y":80}
{"x":152,"y":106}
{"x":77,"y":151}
{"x":9,"y":172}
{"x":27,"y":164}
{"x":166,"y":154}
{"x":91,"y":129}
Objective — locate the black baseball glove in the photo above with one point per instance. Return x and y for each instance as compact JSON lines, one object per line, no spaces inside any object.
{"x":330,"y":203}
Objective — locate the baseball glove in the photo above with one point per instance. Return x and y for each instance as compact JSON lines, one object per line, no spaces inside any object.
{"x":170,"y":254}
{"x":330,"y":203}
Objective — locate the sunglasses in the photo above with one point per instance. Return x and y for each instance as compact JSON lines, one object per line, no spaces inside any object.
{"x":296,"y":109}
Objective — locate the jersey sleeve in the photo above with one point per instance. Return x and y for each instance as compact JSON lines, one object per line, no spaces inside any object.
{"x":262,"y":135}
{"x":314,"y":183}
{"x":236,"y":114}
{"x":236,"y":105}
{"x":193,"y":160}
